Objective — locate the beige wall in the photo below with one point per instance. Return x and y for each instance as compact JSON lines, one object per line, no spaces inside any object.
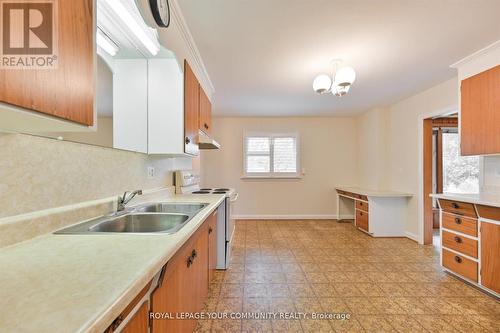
{"x":396,"y":136}
{"x":328,"y":156}
{"x":38,"y":173}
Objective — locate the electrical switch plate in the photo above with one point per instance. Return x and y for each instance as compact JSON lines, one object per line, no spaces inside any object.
{"x":151,"y":172}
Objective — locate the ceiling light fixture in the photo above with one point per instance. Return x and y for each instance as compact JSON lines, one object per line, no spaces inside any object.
{"x":131,"y":19}
{"x":338,"y":84}
{"x":104,"y":42}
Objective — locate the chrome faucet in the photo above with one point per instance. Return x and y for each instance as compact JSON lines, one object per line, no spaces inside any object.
{"x":125,"y":199}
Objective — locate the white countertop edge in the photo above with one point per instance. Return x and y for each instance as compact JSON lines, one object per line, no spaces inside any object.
{"x":373,"y":193}
{"x":479,"y":199}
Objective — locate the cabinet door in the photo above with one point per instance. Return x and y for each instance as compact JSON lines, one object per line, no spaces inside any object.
{"x":66,"y":91}
{"x":205,"y":122}
{"x":212,"y":245}
{"x":490,"y":256}
{"x":191,"y":110}
{"x":480,"y":113}
{"x":139,"y":322}
{"x":200,"y":268}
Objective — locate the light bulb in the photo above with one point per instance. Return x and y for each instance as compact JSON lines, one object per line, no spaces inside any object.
{"x":345,"y":76}
{"x":322,"y":84}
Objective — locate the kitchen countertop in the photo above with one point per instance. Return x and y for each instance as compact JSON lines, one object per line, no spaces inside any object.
{"x":81,"y":283}
{"x":480,"y":199}
{"x":373,"y":193}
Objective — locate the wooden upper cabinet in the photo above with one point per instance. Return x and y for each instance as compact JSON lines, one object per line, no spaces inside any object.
{"x":66,"y":91}
{"x":205,"y":121}
{"x":191,"y":110}
{"x":480,"y":113}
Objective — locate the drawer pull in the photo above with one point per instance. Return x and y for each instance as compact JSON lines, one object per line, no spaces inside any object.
{"x":189,"y":261}
{"x":210,"y":230}
{"x":455,"y":205}
{"x":458,"y":259}
{"x":194,"y":254}
{"x":361,"y":213}
{"x":458,"y":220}
{"x":458,"y":239}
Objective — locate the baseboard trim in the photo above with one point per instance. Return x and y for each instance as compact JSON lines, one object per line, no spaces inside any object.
{"x":287,"y":217}
{"x":412,"y":236}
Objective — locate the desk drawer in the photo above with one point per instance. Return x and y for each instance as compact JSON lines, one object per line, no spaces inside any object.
{"x":460,"y":265}
{"x":362,"y":220}
{"x":459,"y":243}
{"x":458,"y":207}
{"x":361,"y":205}
{"x":459,"y":223}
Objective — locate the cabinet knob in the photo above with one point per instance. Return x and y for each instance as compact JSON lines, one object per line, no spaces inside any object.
{"x":458,"y":239}
{"x":455,"y":205}
{"x":194,"y":254}
{"x":210,"y":230}
{"x":458,"y":220}
{"x":189,"y":261}
{"x":187,"y":140}
{"x":206,"y":126}
{"x":458,"y":259}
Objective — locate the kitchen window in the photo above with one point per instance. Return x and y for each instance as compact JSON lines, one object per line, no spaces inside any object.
{"x":271,"y":156}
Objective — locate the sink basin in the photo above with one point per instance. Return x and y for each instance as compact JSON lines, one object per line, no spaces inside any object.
{"x":180,"y":208}
{"x":164,"y":217}
{"x":140,"y":223}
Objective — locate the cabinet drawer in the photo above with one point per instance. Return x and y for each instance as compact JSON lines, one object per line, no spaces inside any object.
{"x":459,"y":223}
{"x":361,"y":205}
{"x":488,"y":212}
{"x":460,"y":265}
{"x":458,"y":207}
{"x":362,"y":220}
{"x":459,"y":243}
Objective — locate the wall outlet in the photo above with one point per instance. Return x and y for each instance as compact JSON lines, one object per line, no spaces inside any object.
{"x":151,"y":172}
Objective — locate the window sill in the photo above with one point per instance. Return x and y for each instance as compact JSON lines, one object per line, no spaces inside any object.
{"x":270,"y":177}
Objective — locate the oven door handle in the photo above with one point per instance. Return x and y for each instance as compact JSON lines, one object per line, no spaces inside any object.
{"x":235,"y":197}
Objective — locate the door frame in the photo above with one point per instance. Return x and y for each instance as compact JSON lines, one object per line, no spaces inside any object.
{"x":421,"y":197}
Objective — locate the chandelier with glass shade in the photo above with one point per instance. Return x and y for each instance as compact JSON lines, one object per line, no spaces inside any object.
{"x":339,"y":83}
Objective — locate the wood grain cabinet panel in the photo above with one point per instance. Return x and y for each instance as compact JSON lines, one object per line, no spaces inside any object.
{"x":459,"y":223}
{"x":67,"y":91}
{"x":361,"y":205}
{"x":139,"y":322}
{"x":205,"y":114}
{"x":362,"y":220}
{"x":490,"y":256}
{"x":480,"y":113}
{"x":191,"y":110}
{"x":460,"y":243}
{"x":460,"y":265}
{"x":458,"y":207}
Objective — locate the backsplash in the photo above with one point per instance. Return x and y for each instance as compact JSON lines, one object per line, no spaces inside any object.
{"x":38,"y":173}
{"x":491,"y":175}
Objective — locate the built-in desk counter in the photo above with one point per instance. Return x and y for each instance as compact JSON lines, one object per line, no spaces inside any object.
{"x":378,"y":213}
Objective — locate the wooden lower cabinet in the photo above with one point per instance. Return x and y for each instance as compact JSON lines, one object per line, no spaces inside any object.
{"x":362,"y":220}
{"x":460,"y":265}
{"x":184,"y":285}
{"x":212,"y":245}
{"x":139,"y":322}
{"x":490,"y":256}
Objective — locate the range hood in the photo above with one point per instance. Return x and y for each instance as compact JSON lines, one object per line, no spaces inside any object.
{"x":206,"y":142}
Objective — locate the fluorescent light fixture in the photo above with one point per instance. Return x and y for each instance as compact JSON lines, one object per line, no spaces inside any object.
{"x":135,"y":25}
{"x":106,"y":43}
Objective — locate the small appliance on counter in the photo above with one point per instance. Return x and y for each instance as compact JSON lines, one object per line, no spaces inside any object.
{"x":188,"y":182}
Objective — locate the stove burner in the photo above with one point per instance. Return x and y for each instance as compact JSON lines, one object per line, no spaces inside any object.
{"x":201,"y":192}
{"x":221,"y":189}
{"x":219,"y":192}
{"x":205,"y":189}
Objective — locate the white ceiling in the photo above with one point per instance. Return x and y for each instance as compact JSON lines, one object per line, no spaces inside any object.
{"x":262,"y":55}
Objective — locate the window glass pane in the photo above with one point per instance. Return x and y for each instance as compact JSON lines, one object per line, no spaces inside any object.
{"x":258,"y":145}
{"x":285,"y":155}
{"x":460,"y":173}
{"x":257,"y":163}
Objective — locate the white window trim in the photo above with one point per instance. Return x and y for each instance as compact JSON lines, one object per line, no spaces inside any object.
{"x":271,"y":175}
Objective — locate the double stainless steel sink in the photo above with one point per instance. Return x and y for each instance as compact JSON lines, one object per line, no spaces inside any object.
{"x":148,"y":218}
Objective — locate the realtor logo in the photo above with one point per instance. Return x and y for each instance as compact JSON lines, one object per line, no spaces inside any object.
{"x":29,"y":34}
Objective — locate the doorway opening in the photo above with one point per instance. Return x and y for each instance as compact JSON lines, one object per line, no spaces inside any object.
{"x":445,"y":170}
